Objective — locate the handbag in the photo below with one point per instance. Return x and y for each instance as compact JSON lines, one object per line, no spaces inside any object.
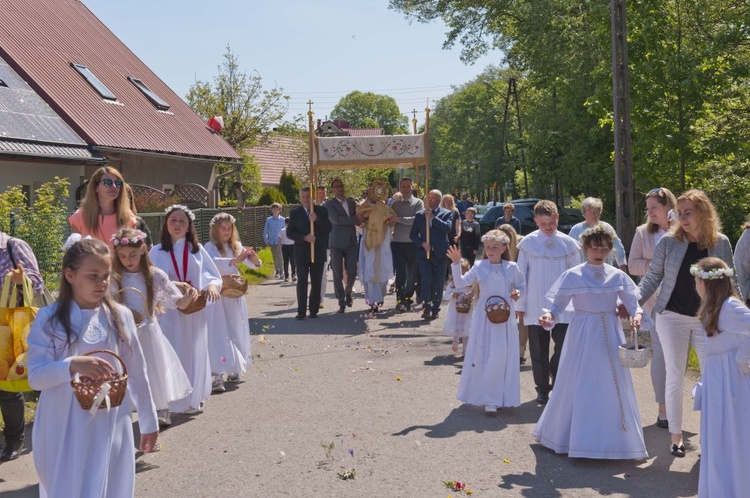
{"x":15,"y":323}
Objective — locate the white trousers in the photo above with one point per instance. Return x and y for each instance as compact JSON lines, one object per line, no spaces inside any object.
{"x":676,"y":334}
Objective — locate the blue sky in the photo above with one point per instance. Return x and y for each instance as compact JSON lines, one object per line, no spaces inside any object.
{"x":313,"y":49}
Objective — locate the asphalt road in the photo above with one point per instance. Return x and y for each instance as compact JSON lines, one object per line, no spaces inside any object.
{"x":377,"y":398}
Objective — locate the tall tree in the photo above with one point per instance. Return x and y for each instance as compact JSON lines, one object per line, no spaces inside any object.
{"x":247,"y":109}
{"x":370,"y":110}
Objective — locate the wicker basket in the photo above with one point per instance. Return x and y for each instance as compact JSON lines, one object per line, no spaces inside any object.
{"x":233,"y":286}
{"x":197,"y":304}
{"x":463,"y":303}
{"x":139,"y":317}
{"x":497,"y":309}
{"x":86,"y":390}
{"x":632,"y":354}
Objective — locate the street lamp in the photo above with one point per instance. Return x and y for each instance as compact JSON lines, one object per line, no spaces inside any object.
{"x":512,"y":90}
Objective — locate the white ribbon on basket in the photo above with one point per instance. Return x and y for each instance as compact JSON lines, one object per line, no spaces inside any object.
{"x":102,"y":395}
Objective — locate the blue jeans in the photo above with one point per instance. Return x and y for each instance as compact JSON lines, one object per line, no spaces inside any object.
{"x":432,"y":280}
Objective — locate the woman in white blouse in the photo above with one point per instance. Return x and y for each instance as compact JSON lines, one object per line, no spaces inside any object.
{"x":659,"y":205}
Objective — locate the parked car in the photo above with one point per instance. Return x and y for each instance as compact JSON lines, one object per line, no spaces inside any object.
{"x":481,"y":211}
{"x":525,"y":213}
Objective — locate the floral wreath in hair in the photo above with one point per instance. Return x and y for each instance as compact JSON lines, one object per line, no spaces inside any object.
{"x":136,"y":239}
{"x":182,"y":208}
{"x":221,"y":217}
{"x":713,"y":274}
{"x":597,"y":230}
{"x":500,"y":237}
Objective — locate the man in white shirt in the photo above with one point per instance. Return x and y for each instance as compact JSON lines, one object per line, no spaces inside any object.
{"x":543,"y":256}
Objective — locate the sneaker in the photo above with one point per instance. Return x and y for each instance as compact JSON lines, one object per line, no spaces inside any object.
{"x":233,"y":378}
{"x":163,"y":417}
{"x":11,"y":451}
{"x":490,"y":409}
{"x":294,"y":278}
{"x":401,"y":307}
{"x":542,"y":398}
{"x":217,"y":386}
{"x":425,"y":314}
{"x":286,"y":279}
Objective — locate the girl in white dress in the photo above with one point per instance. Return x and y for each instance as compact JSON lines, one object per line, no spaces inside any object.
{"x":77,"y":452}
{"x":593,"y":412}
{"x":490,"y":375}
{"x":230,"y":330}
{"x":186,"y":262}
{"x":458,"y":325}
{"x":724,"y":392}
{"x":145,"y":289}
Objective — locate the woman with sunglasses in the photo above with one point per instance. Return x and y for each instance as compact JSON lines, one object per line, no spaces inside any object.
{"x":695,"y":236}
{"x":104,"y":209}
{"x":660,"y":205}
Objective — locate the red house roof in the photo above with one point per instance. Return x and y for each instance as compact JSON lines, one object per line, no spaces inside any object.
{"x":41,"y":39}
{"x":276,"y":153}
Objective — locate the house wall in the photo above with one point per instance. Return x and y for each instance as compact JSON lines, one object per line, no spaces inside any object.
{"x":33,"y":174}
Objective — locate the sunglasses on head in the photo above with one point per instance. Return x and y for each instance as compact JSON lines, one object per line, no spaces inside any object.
{"x":107,"y":182}
{"x":656,"y":191}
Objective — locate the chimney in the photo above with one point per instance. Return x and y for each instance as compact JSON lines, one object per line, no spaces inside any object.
{"x":319,"y":123}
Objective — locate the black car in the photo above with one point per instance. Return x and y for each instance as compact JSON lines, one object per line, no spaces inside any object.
{"x":525,"y":213}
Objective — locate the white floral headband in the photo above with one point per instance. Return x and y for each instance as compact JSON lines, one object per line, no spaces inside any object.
{"x":182,"y":208}
{"x":502,"y":238}
{"x":221,"y":217}
{"x":124,"y":241}
{"x":714,"y":274}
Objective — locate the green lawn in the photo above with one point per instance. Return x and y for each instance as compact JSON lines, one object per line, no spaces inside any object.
{"x":254,"y":277}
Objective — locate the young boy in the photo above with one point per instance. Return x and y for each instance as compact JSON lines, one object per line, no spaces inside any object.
{"x":273,"y":226}
{"x":471,"y":236}
{"x":544,"y":255}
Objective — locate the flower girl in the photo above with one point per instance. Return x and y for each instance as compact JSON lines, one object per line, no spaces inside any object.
{"x":490,"y":375}
{"x":81,"y":452}
{"x":724,"y":392}
{"x":229,"y":347}
{"x":457,"y":322}
{"x":146,"y":290}
{"x":186,"y":262}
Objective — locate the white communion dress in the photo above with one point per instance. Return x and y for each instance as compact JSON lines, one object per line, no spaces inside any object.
{"x":593,"y":411}
{"x":167,"y":378}
{"x":490,"y":375}
{"x":77,"y":453}
{"x":188,"y":334}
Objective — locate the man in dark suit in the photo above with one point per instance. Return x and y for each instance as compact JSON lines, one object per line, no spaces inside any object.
{"x":342,"y":243}
{"x":299,"y":231}
{"x":432,"y":270}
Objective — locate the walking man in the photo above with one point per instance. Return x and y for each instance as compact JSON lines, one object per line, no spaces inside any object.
{"x":342,"y":243}
{"x":308,"y":271}
{"x":404,"y":250}
{"x":432,"y":269}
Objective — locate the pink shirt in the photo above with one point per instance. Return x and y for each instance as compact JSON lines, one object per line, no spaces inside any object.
{"x":107,"y":226}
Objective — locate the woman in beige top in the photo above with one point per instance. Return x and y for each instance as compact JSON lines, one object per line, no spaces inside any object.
{"x":659,"y":205}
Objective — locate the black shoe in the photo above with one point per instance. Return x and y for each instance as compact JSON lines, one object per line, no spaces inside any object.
{"x":342,"y":308}
{"x":662,"y":424}
{"x":11,"y":451}
{"x":299,"y":317}
{"x":407,"y":304}
{"x":434,"y":315}
{"x":426,"y":314}
{"x":349,"y":301}
{"x":542,"y":398}
{"x":313,"y":315}
{"x":678,"y":451}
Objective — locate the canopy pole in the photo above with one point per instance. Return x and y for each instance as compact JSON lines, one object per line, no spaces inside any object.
{"x":313,"y":190}
{"x":427,"y":169}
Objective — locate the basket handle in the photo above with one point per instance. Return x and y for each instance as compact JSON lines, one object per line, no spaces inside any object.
{"x":112,"y":353}
{"x":122,"y":291}
{"x":634,"y":336}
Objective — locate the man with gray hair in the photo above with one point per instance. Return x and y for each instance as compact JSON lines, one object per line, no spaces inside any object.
{"x":431,"y":256}
{"x":403,"y":249}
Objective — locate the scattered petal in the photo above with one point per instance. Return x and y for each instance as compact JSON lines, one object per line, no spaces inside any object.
{"x":223,"y":359}
{"x":506,"y":460}
{"x":262,"y":339}
{"x":351,"y":452}
{"x":398,"y":378}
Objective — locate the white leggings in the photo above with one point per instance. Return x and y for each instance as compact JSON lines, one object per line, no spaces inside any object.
{"x":676,"y":334}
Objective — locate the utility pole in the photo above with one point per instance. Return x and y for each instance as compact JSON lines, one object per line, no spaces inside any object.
{"x":621,"y":106}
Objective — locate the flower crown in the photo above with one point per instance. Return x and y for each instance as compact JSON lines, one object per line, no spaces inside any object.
{"x":182,"y":208}
{"x":221,"y":217}
{"x":501,"y":237}
{"x":713,"y":274}
{"x":136,"y":239}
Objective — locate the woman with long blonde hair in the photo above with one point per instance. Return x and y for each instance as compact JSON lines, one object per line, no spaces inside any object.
{"x":105,"y":208}
{"x":695,"y":236}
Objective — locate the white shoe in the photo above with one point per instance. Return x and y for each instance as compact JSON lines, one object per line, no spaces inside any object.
{"x":191,"y":411}
{"x":233,"y":378}
{"x":217,"y":385}
{"x":490,"y":409}
{"x":163,"y":417}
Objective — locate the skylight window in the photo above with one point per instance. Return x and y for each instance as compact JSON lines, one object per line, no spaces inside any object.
{"x":94,"y":81}
{"x":150,"y":95}
{"x":2,"y":83}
